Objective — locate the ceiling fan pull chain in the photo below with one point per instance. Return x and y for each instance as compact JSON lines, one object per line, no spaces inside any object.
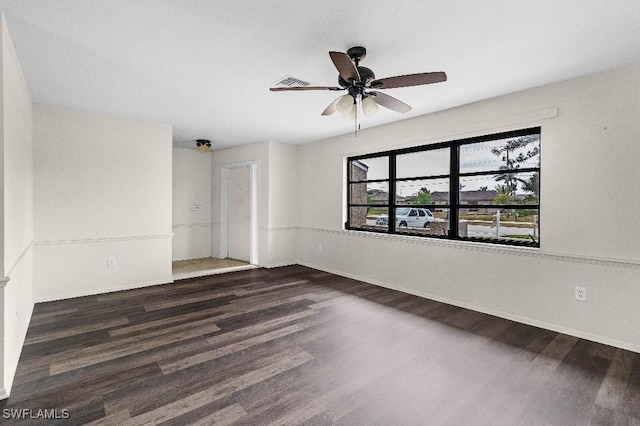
{"x":358,"y":101}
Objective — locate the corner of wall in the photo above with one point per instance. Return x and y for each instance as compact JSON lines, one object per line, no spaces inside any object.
{"x":16,"y":208}
{"x":192,"y":204}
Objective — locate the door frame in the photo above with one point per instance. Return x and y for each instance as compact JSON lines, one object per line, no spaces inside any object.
{"x":254,"y":169}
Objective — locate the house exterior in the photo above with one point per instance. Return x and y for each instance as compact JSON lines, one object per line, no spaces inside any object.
{"x":479,"y":201}
{"x":358,"y":191}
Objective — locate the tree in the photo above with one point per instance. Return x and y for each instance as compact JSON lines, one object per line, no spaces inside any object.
{"x":484,"y":188}
{"x":504,"y":195}
{"x":369,"y":202}
{"x":423,"y":196}
{"x":532,"y":186}
{"x":512,"y":162}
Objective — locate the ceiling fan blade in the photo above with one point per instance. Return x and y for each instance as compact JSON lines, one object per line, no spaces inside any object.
{"x":331,"y":108}
{"x":345,"y":66}
{"x":282,"y":89}
{"x":409,"y":80}
{"x":390,"y":102}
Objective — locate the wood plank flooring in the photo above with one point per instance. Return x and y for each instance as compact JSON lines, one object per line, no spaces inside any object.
{"x":294,"y":345}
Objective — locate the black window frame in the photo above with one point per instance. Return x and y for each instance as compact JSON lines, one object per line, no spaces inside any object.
{"x":454,"y":205}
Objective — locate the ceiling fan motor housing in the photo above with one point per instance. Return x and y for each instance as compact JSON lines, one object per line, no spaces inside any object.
{"x":357,"y":53}
{"x":366,"y":75}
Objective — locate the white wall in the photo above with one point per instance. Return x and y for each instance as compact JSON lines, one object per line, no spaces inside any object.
{"x":102,"y":190}
{"x":191,"y":185}
{"x":16,"y":183}
{"x":277,"y":219}
{"x":590,"y":170}
{"x":283,"y":207}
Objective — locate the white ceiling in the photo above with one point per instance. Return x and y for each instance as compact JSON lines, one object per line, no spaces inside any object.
{"x":205,"y":66}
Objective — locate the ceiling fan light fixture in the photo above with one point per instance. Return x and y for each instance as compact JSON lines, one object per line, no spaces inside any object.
{"x":351,"y":114}
{"x":203,"y":145}
{"x":345,"y":104}
{"x":369,"y":106}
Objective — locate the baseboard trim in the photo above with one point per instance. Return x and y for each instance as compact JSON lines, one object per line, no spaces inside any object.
{"x":523,"y":320}
{"x":207,"y":272}
{"x":279,"y":265}
{"x":97,"y":291}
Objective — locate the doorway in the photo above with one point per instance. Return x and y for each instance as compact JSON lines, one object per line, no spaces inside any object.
{"x":238,"y":186}
{"x":239,"y":212}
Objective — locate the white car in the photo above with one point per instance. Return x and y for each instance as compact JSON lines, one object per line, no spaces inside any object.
{"x":382,"y":220}
{"x":409,"y":217}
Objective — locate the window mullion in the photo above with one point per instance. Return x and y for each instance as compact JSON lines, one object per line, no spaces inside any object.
{"x":347,"y":224}
{"x":392,"y":193}
{"x":454,"y":190}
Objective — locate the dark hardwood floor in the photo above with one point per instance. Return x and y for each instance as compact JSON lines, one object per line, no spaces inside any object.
{"x":294,"y":345}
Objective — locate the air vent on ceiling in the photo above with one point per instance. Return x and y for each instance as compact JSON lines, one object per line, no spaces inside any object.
{"x":289,"y":81}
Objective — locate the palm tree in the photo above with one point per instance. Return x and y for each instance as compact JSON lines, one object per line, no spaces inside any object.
{"x":532,"y":186}
{"x":504,"y":195}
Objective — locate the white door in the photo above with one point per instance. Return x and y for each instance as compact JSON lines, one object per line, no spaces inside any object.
{"x":239,"y":213}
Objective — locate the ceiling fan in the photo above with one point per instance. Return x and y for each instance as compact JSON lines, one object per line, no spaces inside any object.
{"x":362,"y":86}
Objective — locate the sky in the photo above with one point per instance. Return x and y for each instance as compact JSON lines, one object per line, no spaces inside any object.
{"x":473,"y":158}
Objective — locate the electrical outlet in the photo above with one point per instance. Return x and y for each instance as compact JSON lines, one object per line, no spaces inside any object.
{"x":111,"y":262}
{"x":581,"y":294}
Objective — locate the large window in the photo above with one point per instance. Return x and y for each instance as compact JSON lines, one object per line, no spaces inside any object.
{"x":482,"y":189}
